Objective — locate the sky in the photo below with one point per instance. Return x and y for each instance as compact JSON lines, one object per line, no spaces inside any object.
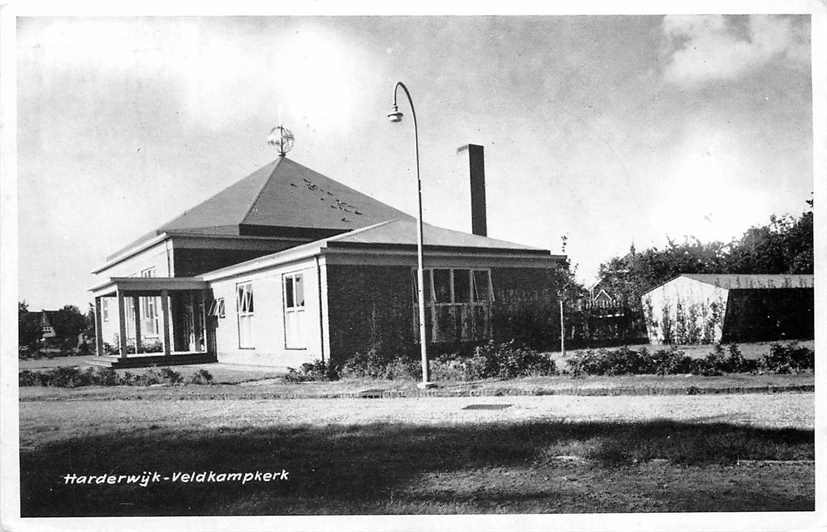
{"x":611,"y":130}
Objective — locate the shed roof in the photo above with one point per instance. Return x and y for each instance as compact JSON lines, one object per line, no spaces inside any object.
{"x":753,"y":281}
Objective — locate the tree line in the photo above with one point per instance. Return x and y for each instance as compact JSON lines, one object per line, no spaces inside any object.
{"x":784,"y":245}
{"x":68,"y":323}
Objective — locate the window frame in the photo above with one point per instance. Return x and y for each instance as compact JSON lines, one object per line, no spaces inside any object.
{"x":432,"y":305}
{"x":248,"y":315}
{"x":148,"y":302}
{"x":217,"y":308}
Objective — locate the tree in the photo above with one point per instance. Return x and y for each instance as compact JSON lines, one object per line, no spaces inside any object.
{"x":28,"y":325}
{"x":69,"y":322}
{"x":785,"y":245}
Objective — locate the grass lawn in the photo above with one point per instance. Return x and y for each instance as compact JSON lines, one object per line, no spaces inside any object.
{"x":424,"y":455}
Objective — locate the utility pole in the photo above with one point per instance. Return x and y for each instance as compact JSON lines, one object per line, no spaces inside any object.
{"x":562,"y":331}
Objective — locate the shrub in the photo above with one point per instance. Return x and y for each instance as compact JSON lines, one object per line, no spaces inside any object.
{"x":317,"y":370}
{"x":201,"y":376}
{"x":107,"y":377}
{"x":403,"y":368}
{"x":30,"y":378}
{"x":170,"y":376}
{"x":510,"y":359}
{"x":372,"y":364}
{"x":69,"y":377}
{"x":789,"y":358}
{"x":671,"y":362}
{"x":453,"y":367}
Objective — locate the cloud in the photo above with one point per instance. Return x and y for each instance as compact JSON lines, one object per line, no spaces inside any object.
{"x":220,"y":77}
{"x":707,"y":48}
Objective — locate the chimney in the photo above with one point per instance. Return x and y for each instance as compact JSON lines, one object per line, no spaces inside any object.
{"x":476,"y":172}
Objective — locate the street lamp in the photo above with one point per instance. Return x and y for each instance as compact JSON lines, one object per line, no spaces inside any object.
{"x":396,"y":116}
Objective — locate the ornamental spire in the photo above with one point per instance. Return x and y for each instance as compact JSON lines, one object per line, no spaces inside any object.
{"x":282,"y":138}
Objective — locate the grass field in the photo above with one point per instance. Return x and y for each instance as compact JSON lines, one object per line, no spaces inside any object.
{"x":273,"y":388}
{"x":425,"y":455}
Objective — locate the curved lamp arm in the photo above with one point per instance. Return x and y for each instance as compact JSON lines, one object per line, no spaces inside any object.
{"x":396,"y":116}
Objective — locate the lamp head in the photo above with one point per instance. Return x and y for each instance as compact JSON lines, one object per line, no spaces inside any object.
{"x":396,"y":115}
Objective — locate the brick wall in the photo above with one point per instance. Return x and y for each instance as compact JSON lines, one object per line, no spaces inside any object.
{"x":525,"y":306}
{"x":190,"y":262}
{"x":370,"y":305}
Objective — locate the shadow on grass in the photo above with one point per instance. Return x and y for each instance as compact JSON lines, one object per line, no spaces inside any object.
{"x":381,"y":468}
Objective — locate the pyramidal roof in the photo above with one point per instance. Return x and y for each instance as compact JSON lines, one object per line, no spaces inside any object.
{"x":285,"y":198}
{"x":282,"y":198}
{"x":284,"y":194}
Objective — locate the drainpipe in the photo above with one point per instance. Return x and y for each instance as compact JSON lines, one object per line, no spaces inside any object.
{"x":321,"y":314}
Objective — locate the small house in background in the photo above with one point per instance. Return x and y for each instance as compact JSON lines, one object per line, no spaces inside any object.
{"x":47,"y":330}
{"x":711,"y":308}
{"x":288,"y":266}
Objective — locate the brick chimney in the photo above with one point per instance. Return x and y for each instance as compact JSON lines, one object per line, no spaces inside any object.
{"x":476,"y":172}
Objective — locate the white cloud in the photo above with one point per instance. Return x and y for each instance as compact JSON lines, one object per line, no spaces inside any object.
{"x":708,"y":48}
{"x":219,"y":77}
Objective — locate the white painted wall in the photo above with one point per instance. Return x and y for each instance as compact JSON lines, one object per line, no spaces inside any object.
{"x":688,"y":292}
{"x":153,"y":257}
{"x":268,"y":319}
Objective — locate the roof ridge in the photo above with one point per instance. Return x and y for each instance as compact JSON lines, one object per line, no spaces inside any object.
{"x":260,"y":191}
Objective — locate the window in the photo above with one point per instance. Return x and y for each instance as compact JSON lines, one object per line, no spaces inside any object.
{"x":149,"y":308}
{"x":460,"y":307}
{"x":217,"y":308}
{"x":105,"y":308}
{"x":244,"y":306}
{"x":294,"y":315}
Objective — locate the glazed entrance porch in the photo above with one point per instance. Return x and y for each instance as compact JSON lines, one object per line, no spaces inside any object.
{"x":161,"y":318}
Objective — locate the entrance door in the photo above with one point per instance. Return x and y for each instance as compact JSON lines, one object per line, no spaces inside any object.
{"x":295,"y":329}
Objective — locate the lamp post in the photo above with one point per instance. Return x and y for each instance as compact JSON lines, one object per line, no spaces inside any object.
{"x":396,"y":116}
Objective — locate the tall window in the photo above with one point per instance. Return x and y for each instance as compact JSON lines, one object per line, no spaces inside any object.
{"x":105,"y":308}
{"x":294,"y":315}
{"x":244,"y":306}
{"x":149,"y":308}
{"x":457,"y":304}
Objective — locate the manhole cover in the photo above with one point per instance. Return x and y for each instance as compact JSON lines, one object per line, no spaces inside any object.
{"x":489,"y":406}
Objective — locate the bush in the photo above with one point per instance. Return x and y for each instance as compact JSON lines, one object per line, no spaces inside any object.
{"x":312,"y":371}
{"x":71,"y":377}
{"x":30,"y":378}
{"x":377,"y":365}
{"x":453,"y":367}
{"x":671,"y":362}
{"x":625,"y":361}
{"x":507,"y":360}
{"x":790,"y":358}
{"x":201,"y":376}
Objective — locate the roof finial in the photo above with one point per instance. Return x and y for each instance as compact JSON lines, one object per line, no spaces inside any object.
{"x":282,"y":138}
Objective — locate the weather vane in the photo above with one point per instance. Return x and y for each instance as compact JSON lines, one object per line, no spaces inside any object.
{"x":282,"y":138}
